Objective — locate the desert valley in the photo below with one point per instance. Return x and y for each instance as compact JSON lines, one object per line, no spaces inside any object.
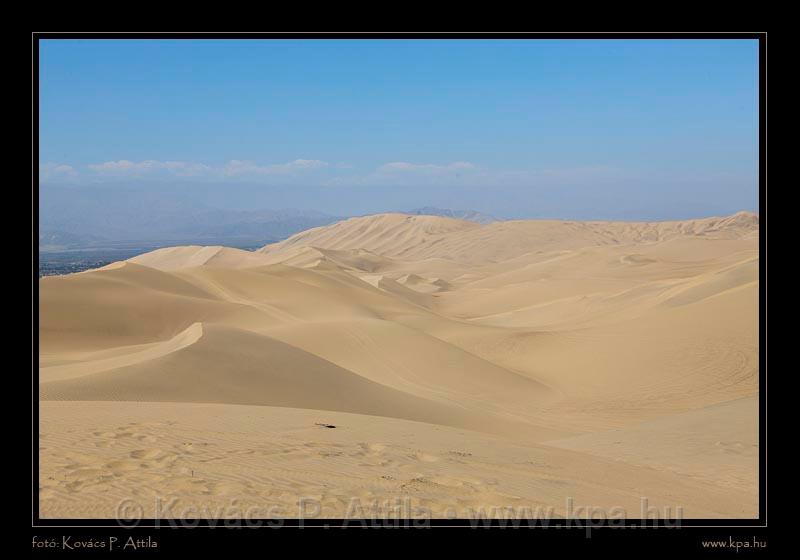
{"x":457,"y":366}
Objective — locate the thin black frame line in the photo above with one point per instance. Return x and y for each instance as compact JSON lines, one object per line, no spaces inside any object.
{"x":761,"y":37}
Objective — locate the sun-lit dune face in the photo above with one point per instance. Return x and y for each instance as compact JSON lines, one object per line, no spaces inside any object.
{"x":421,"y":237}
{"x":461,"y":364}
{"x":176,"y":258}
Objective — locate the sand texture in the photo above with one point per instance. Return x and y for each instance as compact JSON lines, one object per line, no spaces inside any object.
{"x":445,"y":365}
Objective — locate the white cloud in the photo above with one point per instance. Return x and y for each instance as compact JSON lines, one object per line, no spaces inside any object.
{"x":305,"y":164}
{"x":426,"y":167}
{"x":112,"y":166}
{"x":68,"y":169}
{"x":126,"y":167}
{"x":295,"y":171}
{"x":238,"y":167}
{"x":56,"y":171}
{"x":234,"y":168}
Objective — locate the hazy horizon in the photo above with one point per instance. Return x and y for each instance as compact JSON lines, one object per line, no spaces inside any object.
{"x":251,"y":197}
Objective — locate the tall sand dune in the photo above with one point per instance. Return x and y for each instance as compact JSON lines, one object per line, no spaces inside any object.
{"x":457,"y":364}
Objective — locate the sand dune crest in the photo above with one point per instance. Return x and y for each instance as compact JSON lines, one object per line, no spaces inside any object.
{"x":460,"y":363}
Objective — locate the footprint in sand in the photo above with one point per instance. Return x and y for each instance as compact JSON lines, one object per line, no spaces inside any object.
{"x":84,"y":474}
{"x":103,"y":440}
{"x":330,"y":453}
{"x":425,"y":457}
{"x":122,"y":466}
{"x":470,"y":484}
{"x":228,"y":488}
{"x":371,"y":449}
{"x":184,"y":484}
{"x":460,"y":453}
{"x":154,"y":457}
{"x":375,"y":453}
{"x":146,"y":453}
{"x":191,"y":448}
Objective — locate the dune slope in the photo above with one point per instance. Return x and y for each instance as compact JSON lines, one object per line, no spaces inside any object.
{"x":468,"y":365}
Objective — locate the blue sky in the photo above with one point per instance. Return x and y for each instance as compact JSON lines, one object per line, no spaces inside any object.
{"x":626,"y":129}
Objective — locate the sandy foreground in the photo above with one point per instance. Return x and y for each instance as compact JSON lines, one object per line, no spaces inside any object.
{"x":410,"y":366}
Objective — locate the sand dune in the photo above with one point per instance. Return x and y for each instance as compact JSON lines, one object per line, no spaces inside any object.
{"x":238,"y":367}
{"x":464,"y":365}
{"x":175,"y":258}
{"x":419,"y":237}
{"x":97,"y":362}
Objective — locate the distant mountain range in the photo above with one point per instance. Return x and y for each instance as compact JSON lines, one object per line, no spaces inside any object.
{"x":469,"y":215}
{"x":87,"y":218}
{"x":90,"y":217}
